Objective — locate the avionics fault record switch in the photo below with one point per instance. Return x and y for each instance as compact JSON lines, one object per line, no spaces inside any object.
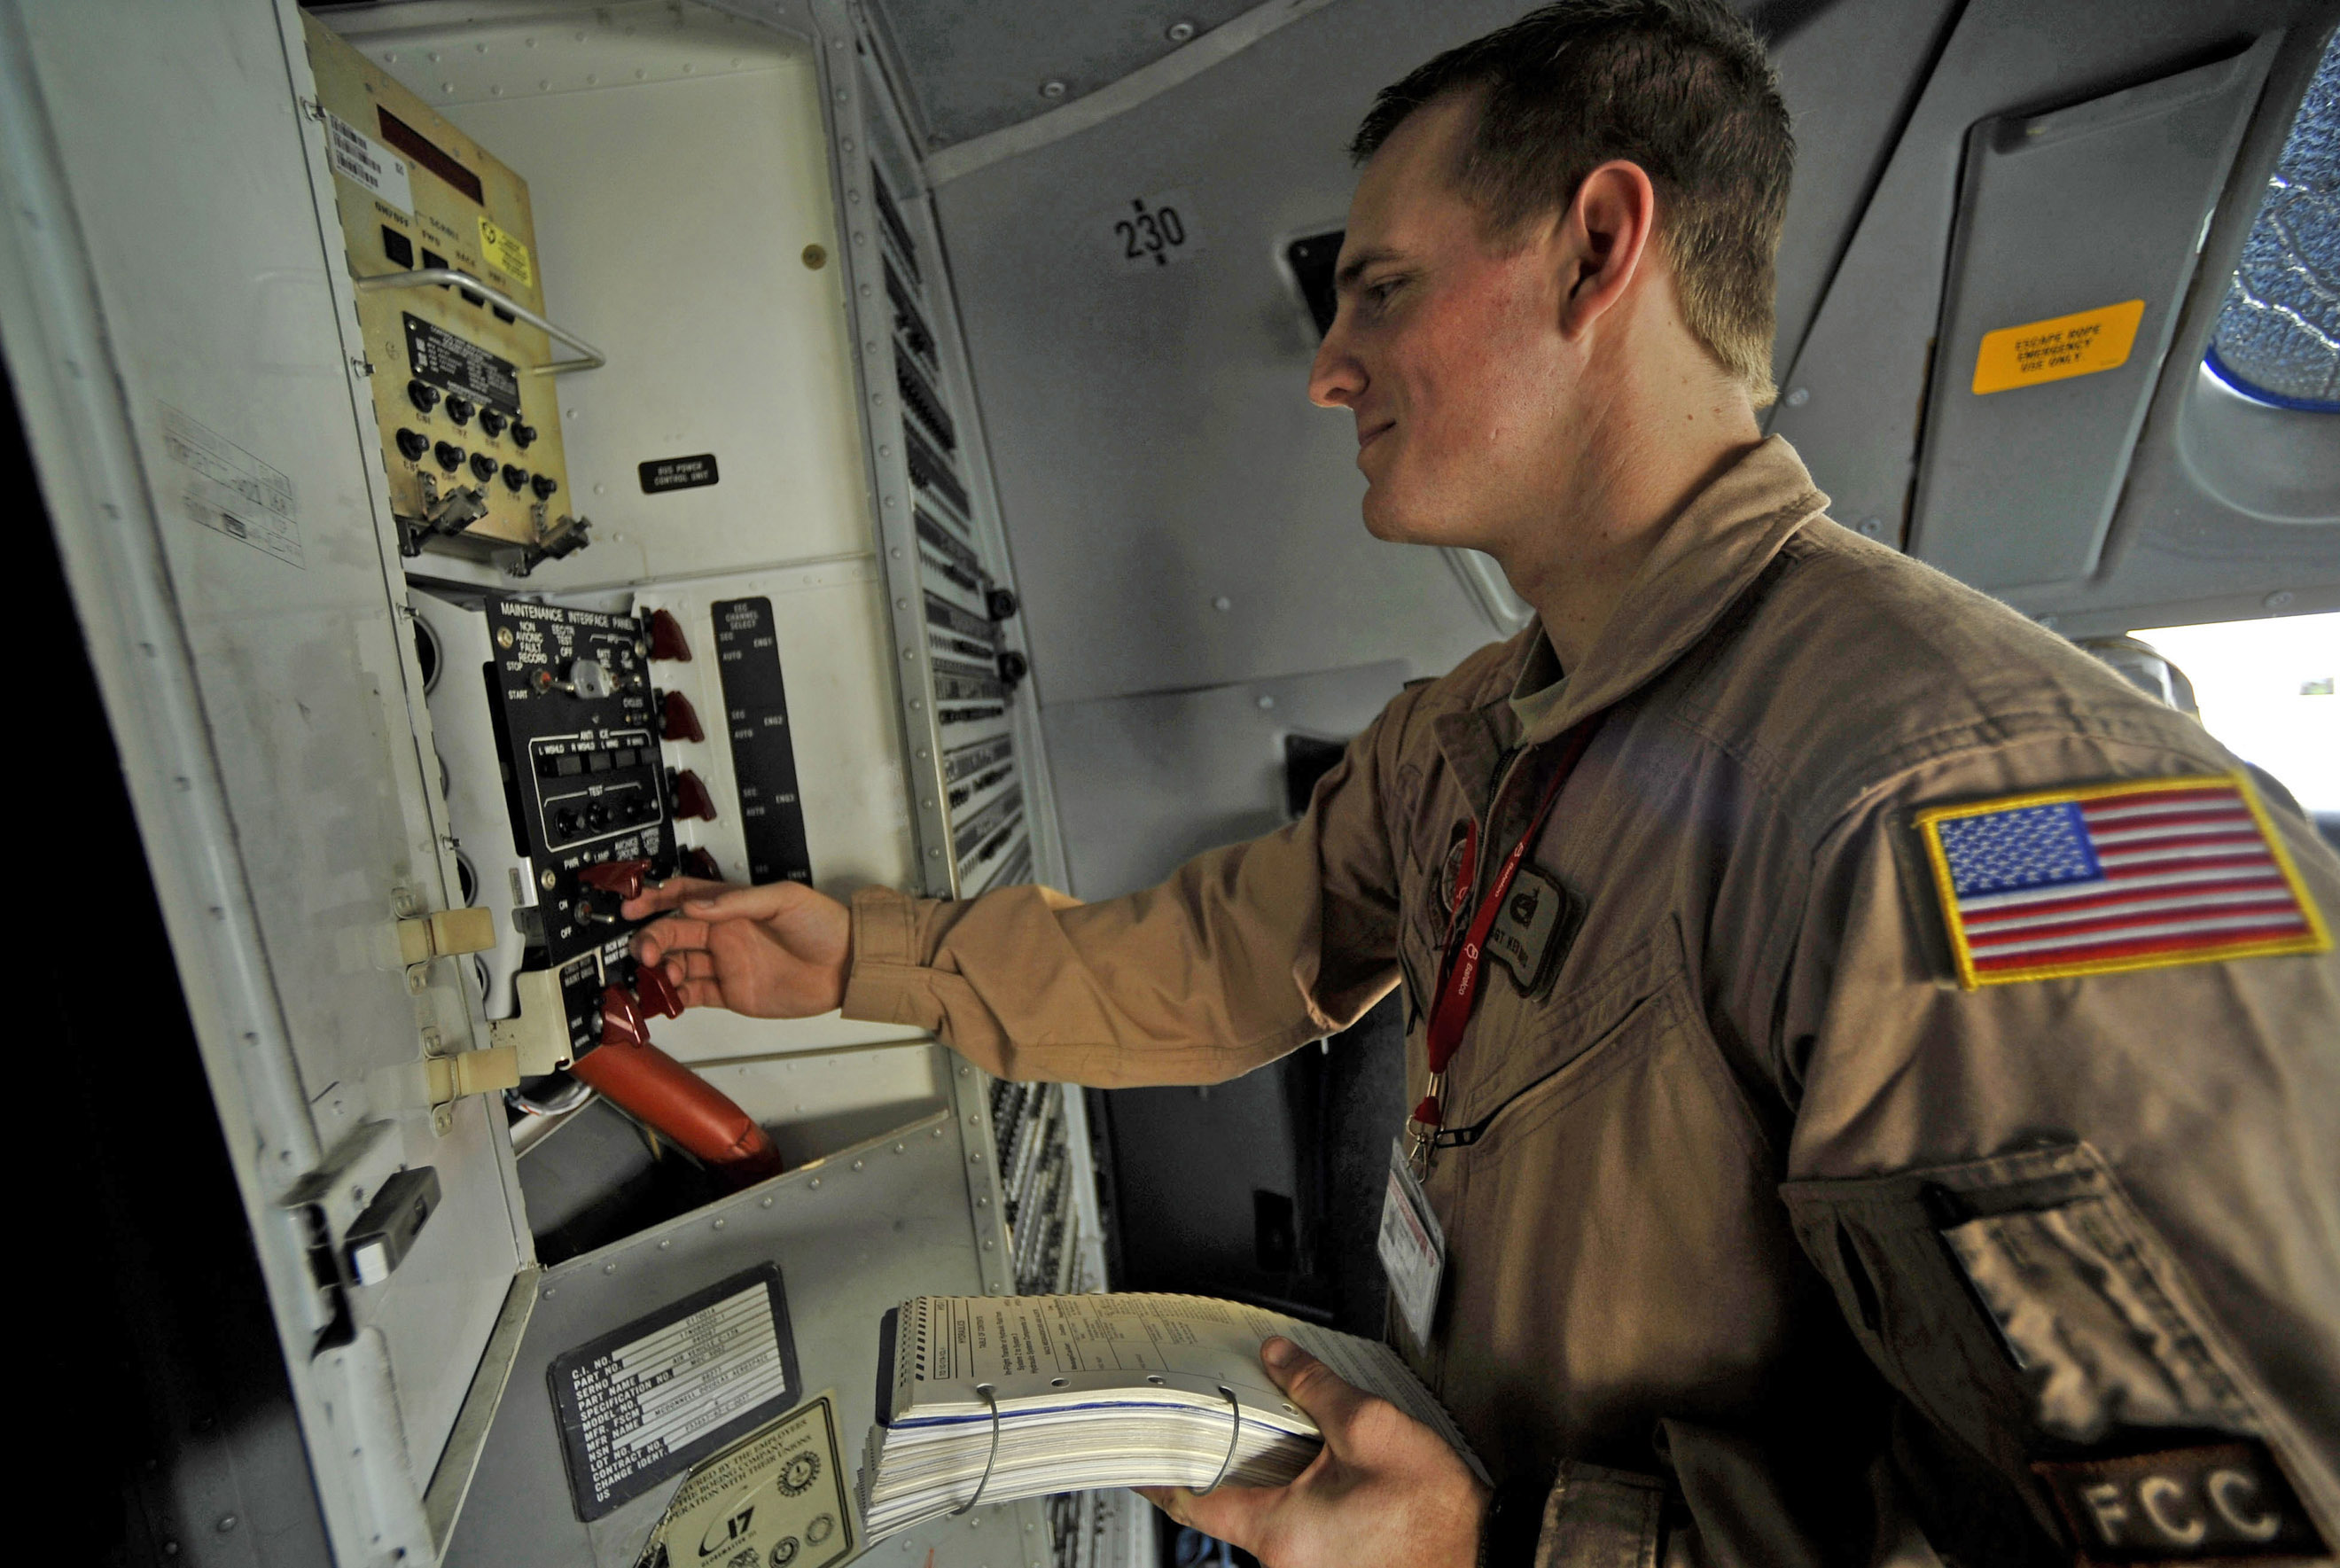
{"x":470,"y":429}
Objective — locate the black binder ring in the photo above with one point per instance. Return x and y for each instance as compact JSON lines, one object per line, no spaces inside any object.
{"x":1234,"y":1436}
{"x":991,"y":1459}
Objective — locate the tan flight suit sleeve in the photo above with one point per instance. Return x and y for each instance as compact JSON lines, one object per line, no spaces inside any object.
{"x":1244,"y":953}
{"x":2076,"y":1219}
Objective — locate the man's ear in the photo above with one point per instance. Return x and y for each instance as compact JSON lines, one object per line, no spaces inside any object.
{"x":1603,"y":239}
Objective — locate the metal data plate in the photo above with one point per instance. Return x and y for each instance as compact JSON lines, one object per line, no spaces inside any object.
{"x":2068,"y":220}
{"x":853,"y":1235}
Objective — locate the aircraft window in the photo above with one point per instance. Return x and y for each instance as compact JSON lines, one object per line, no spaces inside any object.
{"x":2278,"y":335}
{"x":2270,"y":691}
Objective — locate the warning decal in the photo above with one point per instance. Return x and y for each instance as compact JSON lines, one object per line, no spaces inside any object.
{"x":2080,"y":344}
{"x":506,"y":254}
{"x":777,"y":1500}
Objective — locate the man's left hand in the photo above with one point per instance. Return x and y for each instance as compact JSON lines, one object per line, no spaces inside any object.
{"x":1386,"y":1489}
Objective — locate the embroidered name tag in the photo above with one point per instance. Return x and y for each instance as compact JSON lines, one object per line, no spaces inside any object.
{"x":2219,"y":1502}
{"x":2133,"y":876}
{"x":1534,"y":928}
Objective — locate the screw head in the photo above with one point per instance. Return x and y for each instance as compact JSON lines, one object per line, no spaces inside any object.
{"x":1872,"y":526}
{"x":1800,"y":397}
{"x":1052,"y":88}
{"x":1179,"y":32}
{"x":546,"y":880}
{"x":503,"y":637}
{"x":1223,"y":604}
{"x":2277,"y":599}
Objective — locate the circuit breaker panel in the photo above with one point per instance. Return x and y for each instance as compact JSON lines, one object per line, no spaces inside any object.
{"x":951,"y":602}
{"x":471,"y":427}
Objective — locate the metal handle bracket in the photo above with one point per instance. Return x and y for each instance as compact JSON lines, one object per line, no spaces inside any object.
{"x":591,"y":357}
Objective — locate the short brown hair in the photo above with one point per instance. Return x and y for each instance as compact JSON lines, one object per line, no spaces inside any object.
{"x":1680,"y":87}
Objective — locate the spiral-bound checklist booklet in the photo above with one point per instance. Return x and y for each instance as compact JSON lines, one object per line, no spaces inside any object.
{"x":985,"y":1398}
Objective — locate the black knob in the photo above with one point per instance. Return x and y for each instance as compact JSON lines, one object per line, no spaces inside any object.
{"x":459,"y":407}
{"x":423,"y":395}
{"x":450,"y":456}
{"x":413,"y":443}
{"x":491,"y":422}
{"x":515,"y":478}
{"x":523,"y":432}
{"x":1001,"y":603}
{"x":596,"y":815}
{"x":483,"y":466}
{"x":544,"y":485}
{"x":1012,"y":666}
{"x":564,"y":822}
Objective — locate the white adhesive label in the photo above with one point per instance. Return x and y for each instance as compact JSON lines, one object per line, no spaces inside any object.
{"x":357,"y":156}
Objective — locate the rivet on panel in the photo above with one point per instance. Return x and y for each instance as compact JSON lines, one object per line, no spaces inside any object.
{"x":720,"y":1224}
{"x":1223,"y":604}
{"x":766,"y":1204}
{"x":1052,"y":88}
{"x":1179,"y":32}
{"x":609,"y":1268}
{"x":816,"y":1181}
{"x":665,"y":1243}
{"x":2277,"y":599}
{"x":857,"y":1165}
{"x":1800,"y":397}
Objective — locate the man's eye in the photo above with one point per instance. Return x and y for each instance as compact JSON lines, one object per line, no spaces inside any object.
{"x":1380,"y":291}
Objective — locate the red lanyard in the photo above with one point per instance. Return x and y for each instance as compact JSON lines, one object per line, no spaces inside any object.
{"x":1458,"y":989}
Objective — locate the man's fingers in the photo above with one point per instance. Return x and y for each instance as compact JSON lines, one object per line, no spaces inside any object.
{"x":718,"y":903}
{"x":1234,"y":1514}
{"x":701,"y":994}
{"x":666,"y":895}
{"x":1314,"y":1386}
{"x":663,"y":938}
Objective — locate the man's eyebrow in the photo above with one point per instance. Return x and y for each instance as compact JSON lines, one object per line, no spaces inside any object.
{"x":1354,"y":267}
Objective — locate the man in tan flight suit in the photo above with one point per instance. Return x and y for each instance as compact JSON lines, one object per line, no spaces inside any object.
{"x":1898,"y":1114}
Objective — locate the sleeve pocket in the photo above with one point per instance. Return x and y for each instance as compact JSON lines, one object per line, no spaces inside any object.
{"x":2024,"y":1306}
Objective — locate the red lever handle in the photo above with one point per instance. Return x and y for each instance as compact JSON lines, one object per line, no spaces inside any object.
{"x":647,"y":1084}
{"x":623,"y":878}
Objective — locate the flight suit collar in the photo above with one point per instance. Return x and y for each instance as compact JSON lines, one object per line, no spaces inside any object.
{"x":1711,"y":555}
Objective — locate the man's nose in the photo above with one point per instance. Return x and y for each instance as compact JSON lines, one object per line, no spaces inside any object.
{"x":1336,"y":380}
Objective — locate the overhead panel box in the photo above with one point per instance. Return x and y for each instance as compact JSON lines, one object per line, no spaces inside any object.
{"x":2077,"y":235}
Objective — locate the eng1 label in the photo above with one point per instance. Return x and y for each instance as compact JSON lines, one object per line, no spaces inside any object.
{"x":1150,"y":232}
{"x":2061,"y":347}
{"x":357,"y":156}
{"x":506,"y":252}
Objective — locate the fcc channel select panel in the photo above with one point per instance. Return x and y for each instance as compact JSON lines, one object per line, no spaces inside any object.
{"x":552,"y":472}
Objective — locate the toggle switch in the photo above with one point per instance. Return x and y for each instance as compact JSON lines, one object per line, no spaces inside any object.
{"x":621,"y":1018}
{"x":667,"y":641}
{"x":691,"y":798}
{"x":450,"y":456}
{"x":515,"y":478}
{"x":623,"y":878}
{"x":659,"y":996}
{"x":696,"y":862}
{"x":544,"y":484}
{"x":483,"y":466}
{"x":459,"y":408}
{"x":678,"y":720}
{"x":413,"y":443}
{"x":423,"y":395}
{"x":491,"y":422}
{"x":524,"y":434}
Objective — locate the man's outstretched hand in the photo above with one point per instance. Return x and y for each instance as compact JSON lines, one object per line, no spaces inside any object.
{"x":776,"y":952}
{"x":1386,"y":1489}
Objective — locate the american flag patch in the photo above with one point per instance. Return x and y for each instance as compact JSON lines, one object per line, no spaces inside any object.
{"x":2130,"y":875}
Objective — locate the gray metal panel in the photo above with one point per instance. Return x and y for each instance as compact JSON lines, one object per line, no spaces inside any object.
{"x":1854,"y":397}
{"x":1148,"y":782}
{"x":264,"y":701}
{"x":2081,"y":208}
{"x":975,"y":65}
{"x":853,"y":1235}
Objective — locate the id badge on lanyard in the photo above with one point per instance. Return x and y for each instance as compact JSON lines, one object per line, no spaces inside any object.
{"x":1412,"y":1246}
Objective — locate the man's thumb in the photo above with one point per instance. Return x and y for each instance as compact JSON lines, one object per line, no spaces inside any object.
{"x":1314,"y":1386}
